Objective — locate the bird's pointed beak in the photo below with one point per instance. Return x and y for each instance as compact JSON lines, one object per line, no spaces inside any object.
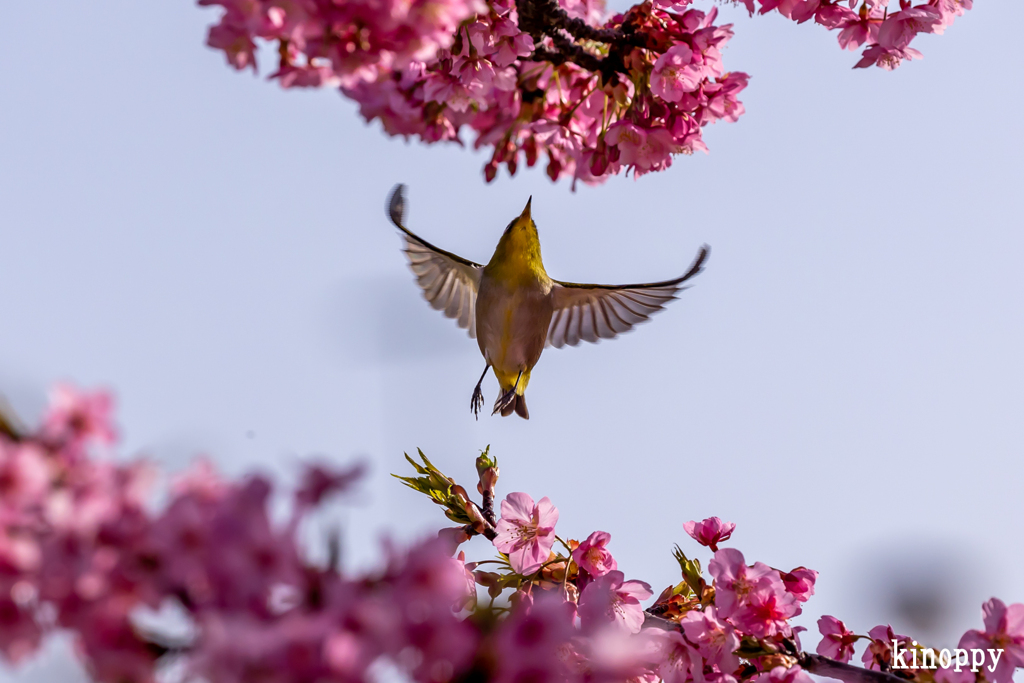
{"x":526,"y":211}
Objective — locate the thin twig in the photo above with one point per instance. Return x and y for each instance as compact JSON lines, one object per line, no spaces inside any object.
{"x":823,"y":666}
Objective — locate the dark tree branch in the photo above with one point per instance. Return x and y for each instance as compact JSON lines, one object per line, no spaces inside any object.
{"x":823,"y":666}
{"x":480,"y":524}
{"x":542,"y":16}
{"x":488,"y":507}
{"x":545,"y":19}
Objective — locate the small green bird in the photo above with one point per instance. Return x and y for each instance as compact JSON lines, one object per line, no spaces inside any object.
{"x":514,"y":309}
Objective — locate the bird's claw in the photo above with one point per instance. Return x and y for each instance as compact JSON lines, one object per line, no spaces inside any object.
{"x":477,"y":402}
{"x":504,"y":401}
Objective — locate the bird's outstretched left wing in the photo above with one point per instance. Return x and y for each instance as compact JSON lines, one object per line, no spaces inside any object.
{"x":593,"y":312}
{"x":449,"y":282}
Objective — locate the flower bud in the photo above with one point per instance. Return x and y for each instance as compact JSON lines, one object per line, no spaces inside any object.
{"x":487,"y":469}
{"x":461,"y":494}
{"x":530,"y":147}
{"x":554,"y":168}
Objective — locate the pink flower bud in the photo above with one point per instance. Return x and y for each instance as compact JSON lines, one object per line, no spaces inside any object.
{"x":710,"y":532}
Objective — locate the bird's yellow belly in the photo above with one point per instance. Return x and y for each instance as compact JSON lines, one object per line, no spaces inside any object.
{"x":512,"y":327}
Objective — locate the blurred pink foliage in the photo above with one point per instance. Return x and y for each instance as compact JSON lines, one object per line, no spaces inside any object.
{"x":595,"y":94}
{"x":83,"y":550}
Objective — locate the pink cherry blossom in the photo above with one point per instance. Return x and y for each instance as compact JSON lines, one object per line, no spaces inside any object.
{"x":592,"y":554}
{"x":855,"y":29}
{"x":439,"y":69}
{"x":735,"y":582}
{"x":781,"y":674}
{"x":887,"y":58}
{"x":716,"y":639}
{"x":753,"y":598}
{"x":878,"y":655}
{"x":611,"y":600}
{"x":837,"y":641}
{"x":766,"y":612}
{"x":722,"y":103}
{"x":526,"y":531}
{"x":1004,"y":628}
{"x":951,"y":9}
{"x":642,"y":149}
{"x":710,"y":532}
{"x":899,"y":28}
{"x":675,"y":73}
{"x":800,"y":582}
{"x":591,"y":11}
{"x":511,"y":43}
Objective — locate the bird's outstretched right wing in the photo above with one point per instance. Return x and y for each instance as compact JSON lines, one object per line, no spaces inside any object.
{"x":449,"y":282}
{"x":593,"y":312}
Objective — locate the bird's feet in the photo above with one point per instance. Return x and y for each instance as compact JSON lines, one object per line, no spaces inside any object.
{"x":504,"y":402}
{"x":477,"y":402}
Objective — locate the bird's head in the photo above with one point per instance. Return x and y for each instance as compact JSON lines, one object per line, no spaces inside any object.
{"x":522,"y":226}
{"x":519,"y":248}
{"x":520,"y":242}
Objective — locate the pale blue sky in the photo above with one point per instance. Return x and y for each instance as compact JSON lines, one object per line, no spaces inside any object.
{"x":845,"y":381}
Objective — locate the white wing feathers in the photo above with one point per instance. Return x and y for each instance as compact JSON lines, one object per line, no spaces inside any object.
{"x":449,"y":282}
{"x":448,"y":285}
{"x":593,"y":312}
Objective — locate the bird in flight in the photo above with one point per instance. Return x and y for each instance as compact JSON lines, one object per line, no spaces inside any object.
{"x":514,"y":309}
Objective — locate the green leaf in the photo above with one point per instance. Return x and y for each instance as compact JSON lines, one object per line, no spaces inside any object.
{"x":437,"y":486}
{"x":691,"y":571}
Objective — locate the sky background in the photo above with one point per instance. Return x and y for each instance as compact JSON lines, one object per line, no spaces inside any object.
{"x":844,"y":381}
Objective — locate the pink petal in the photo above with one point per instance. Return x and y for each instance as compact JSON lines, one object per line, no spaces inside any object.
{"x":517,"y":506}
{"x":547,"y":513}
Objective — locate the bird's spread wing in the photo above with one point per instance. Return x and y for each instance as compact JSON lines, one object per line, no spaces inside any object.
{"x":593,"y":312}
{"x":449,"y":282}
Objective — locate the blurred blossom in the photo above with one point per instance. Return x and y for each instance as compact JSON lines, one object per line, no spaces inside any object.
{"x":211,"y":580}
{"x":609,"y":599}
{"x":77,"y":418}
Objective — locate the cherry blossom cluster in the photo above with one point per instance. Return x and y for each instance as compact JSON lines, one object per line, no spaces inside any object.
{"x":84,"y":551}
{"x":734,"y":629}
{"x":540,"y":79}
{"x":885,"y":33}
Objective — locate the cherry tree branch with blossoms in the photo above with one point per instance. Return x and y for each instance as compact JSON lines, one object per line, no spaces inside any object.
{"x":82,"y":551}
{"x":559,"y":79}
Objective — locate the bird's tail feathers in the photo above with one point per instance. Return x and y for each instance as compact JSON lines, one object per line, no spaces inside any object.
{"x":520,"y":407}
{"x":517,"y":406}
